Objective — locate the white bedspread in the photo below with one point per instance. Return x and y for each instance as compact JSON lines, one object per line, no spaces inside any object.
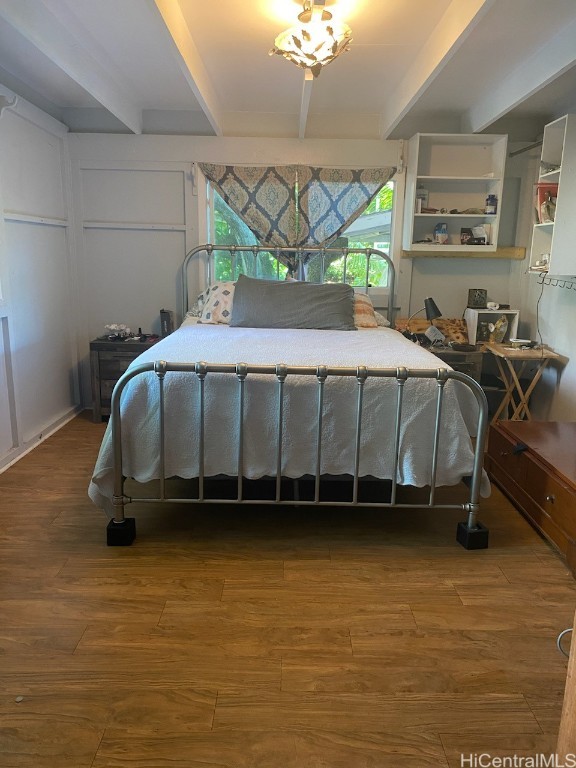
{"x":221,"y":344}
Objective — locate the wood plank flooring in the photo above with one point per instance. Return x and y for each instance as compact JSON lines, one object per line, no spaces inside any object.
{"x":250,"y":638}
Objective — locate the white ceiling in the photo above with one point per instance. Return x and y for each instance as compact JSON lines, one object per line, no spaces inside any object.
{"x":202,"y":68}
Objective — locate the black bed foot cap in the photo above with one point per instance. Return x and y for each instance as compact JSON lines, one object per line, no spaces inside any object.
{"x":121,"y":534}
{"x":472,"y":538}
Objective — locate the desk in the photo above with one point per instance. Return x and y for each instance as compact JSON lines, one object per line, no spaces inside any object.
{"x":512,"y":363}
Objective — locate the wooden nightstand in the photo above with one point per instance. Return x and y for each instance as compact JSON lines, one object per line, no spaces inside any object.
{"x":465,"y":362}
{"x":108,"y":361}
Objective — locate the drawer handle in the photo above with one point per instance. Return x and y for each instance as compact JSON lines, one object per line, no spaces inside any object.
{"x":551,"y":498}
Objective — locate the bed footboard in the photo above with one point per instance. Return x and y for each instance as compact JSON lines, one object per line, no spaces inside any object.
{"x":470,"y":533}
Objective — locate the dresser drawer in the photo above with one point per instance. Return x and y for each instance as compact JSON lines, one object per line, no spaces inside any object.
{"x":113,"y":364}
{"x":106,"y":388}
{"x":501,"y":452}
{"x":554,"y":498}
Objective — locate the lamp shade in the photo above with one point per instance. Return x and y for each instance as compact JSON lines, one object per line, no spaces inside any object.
{"x":315,"y":41}
{"x":432,"y":311}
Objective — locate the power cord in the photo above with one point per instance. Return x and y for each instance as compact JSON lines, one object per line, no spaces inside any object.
{"x":538,"y":317}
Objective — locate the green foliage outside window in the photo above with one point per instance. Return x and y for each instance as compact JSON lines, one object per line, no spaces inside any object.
{"x":230,"y":229}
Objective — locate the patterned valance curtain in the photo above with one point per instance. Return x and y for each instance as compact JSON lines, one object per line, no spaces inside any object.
{"x":263,"y":197}
{"x":295,"y":204}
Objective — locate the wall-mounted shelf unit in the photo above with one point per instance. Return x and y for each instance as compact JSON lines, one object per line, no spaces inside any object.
{"x":552,"y":250}
{"x":458,"y":172}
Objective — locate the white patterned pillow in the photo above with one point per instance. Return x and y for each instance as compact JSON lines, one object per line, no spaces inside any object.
{"x":217,"y":303}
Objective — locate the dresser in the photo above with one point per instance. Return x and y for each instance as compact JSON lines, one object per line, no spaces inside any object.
{"x":534,"y":464}
{"x":108,"y":361}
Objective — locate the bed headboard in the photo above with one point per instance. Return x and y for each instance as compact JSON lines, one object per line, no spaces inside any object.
{"x":247,"y":258}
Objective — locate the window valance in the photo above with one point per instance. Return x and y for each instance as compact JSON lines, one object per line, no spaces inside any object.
{"x":296,"y":204}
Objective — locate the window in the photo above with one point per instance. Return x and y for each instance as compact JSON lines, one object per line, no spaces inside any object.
{"x":372,"y":229}
{"x":227,"y":228}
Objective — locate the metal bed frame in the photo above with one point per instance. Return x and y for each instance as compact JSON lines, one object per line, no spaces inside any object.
{"x":121,"y":530}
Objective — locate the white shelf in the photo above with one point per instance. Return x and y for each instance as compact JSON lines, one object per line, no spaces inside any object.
{"x":482,"y":216}
{"x":438,"y":247}
{"x":458,"y":171}
{"x":475,"y":317}
{"x":554,"y":241}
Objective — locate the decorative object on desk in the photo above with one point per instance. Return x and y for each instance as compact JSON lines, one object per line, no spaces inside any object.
{"x":117,"y":331}
{"x":477,"y":298}
{"x":493,"y":305}
{"x":498,"y":330}
{"x":522,"y":343}
{"x":441,"y":233}
{"x":483,"y":332}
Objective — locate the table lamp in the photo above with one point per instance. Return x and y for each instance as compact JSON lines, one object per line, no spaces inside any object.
{"x":432,"y":313}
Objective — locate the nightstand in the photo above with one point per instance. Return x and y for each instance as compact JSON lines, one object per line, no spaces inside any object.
{"x":108,"y":361}
{"x":465,"y":362}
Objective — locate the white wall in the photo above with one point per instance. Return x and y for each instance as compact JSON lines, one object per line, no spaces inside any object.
{"x":38,"y":351}
{"x":95,"y":228}
{"x":139,"y":209}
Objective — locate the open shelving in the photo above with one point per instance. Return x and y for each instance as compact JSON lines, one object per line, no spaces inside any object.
{"x":458,"y":171}
{"x":552,"y":249}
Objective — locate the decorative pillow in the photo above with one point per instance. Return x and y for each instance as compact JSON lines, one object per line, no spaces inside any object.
{"x":287,"y":304}
{"x":217,"y":304}
{"x":364,"y":316}
{"x":382,"y":321}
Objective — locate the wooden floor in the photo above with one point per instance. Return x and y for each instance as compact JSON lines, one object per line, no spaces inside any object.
{"x":231,"y":638}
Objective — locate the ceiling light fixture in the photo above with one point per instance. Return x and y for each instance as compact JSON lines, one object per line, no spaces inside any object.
{"x":315,"y":41}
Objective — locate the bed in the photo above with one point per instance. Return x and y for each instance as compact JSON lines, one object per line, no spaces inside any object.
{"x":347,"y":412}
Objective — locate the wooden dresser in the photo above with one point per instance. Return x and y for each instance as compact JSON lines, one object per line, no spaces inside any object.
{"x":534,"y":464}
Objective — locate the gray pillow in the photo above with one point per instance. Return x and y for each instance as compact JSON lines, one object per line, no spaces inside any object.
{"x":286,"y":304}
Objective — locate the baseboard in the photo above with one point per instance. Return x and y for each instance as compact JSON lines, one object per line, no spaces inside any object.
{"x":15,"y":454}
